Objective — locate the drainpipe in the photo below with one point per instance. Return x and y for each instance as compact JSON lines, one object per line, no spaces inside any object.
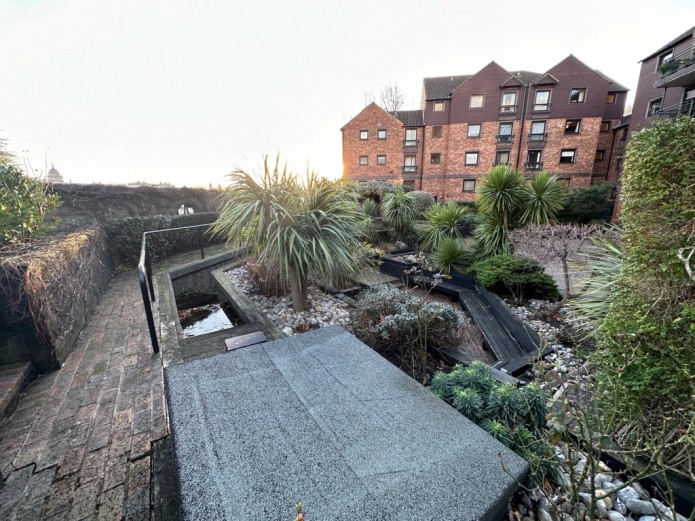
{"x":422,"y":150}
{"x":521,"y":130}
{"x":610,"y":158}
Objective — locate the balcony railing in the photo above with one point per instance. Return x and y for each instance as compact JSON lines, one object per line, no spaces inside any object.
{"x":537,"y":137}
{"x":679,"y":71}
{"x":410,"y":142}
{"x":541,"y":107}
{"x":505,"y":138}
{"x":409,"y":169}
{"x":533,"y":165}
{"x":507,"y":109}
{"x":684,"y":109}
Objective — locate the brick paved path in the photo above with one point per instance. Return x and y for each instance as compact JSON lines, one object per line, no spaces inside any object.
{"x":79,"y":445}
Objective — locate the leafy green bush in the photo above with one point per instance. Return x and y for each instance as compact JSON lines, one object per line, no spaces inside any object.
{"x":515,"y":417}
{"x":584,"y":205}
{"x":25,"y":206}
{"x":125,"y":236}
{"x":391,"y":320}
{"x":506,"y":274}
{"x":646,"y":355}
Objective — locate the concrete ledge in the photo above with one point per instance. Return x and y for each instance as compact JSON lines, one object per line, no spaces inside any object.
{"x":322,"y":418}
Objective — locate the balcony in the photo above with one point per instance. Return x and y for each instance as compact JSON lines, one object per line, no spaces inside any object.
{"x":409,"y":169}
{"x":505,"y":138}
{"x":678,"y":71}
{"x":684,"y":109}
{"x":537,"y":137}
{"x":508,"y":109}
{"x":533,"y":165}
{"x":410,"y":142}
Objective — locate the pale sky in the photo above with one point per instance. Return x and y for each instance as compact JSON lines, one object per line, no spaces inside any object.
{"x":183,"y":92}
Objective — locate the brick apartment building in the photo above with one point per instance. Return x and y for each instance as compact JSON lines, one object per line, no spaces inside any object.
{"x":665,"y":89}
{"x":559,"y":121}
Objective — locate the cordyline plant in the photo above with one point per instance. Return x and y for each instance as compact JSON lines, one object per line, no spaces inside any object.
{"x":309,"y":229}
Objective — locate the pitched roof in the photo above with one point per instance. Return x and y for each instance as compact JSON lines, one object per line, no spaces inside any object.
{"x":546,"y":79}
{"x":614,"y":85}
{"x":526,"y":77}
{"x":410,"y":118}
{"x":687,"y":34}
{"x":368,"y":107}
{"x":443,"y":86}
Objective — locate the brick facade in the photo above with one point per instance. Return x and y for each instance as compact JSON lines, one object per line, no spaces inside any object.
{"x":466,"y":129}
{"x":373,"y":119}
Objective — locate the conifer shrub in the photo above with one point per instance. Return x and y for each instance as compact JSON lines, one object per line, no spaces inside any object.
{"x":520,"y":278}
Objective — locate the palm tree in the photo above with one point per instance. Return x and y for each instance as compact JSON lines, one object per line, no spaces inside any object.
{"x":442,"y":221}
{"x":309,"y":230}
{"x":501,"y":193}
{"x":400,"y":209}
{"x":545,"y":197}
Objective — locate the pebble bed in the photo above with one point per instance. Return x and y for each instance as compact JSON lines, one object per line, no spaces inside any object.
{"x":324,"y":309}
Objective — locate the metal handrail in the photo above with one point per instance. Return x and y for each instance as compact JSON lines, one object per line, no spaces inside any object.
{"x":145,"y":277}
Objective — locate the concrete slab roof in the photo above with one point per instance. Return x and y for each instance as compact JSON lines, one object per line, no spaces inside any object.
{"x":323,"y":419}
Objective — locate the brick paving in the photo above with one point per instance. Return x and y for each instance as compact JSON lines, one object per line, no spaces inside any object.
{"x":79,"y":445}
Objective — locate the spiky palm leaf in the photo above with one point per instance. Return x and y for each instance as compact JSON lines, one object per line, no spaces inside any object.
{"x":492,"y":236}
{"x":451,"y":255}
{"x":308,"y":230}
{"x":442,"y":221}
{"x":501,"y":193}
{"x":545,"y":197}
{"x":604,"y":261}
{"x":400,"y":209}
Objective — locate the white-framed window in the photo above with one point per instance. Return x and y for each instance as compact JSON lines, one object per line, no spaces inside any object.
{"x":578,"y":95}
{"x":471,"y":158}
{"x":477,"y":101}
{"x":568,"y":155}
{"x":474,"y":129}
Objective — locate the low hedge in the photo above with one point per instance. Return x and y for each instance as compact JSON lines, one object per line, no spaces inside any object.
{"x":125,"y":236}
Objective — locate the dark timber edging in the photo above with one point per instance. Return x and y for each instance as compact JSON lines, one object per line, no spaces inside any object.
{"x":514,"y":344}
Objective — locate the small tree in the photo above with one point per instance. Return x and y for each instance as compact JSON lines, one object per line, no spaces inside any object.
{"x":549,"y":242}
{"x":308,"y":230}
{"x":391,"y":98}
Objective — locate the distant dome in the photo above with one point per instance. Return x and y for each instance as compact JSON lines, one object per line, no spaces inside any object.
{"x":54,"y":176}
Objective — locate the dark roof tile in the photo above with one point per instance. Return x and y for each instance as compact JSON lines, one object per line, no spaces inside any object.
{"x":442,"y":87}
{"x":410,"y":118}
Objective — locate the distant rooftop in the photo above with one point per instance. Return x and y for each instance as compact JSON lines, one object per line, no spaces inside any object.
{"x":410,"y":118}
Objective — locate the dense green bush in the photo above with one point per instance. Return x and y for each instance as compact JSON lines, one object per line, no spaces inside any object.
{"x":125,"y":236}
{"x":376,"y":190}
{"x":521,"y":278}
{"x":400,"y":210}
{"x":516,"y":417}
{"x":24,"y":206}
{"x":646,"y":355}
{"x":587,"y":204}
{"x":425,"y":200}
{"x":391,"y":320}
{"x":442,"y":221}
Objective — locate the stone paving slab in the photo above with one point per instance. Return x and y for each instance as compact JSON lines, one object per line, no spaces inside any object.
{"x":322,"y":418}
{"x":79,"y":444}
